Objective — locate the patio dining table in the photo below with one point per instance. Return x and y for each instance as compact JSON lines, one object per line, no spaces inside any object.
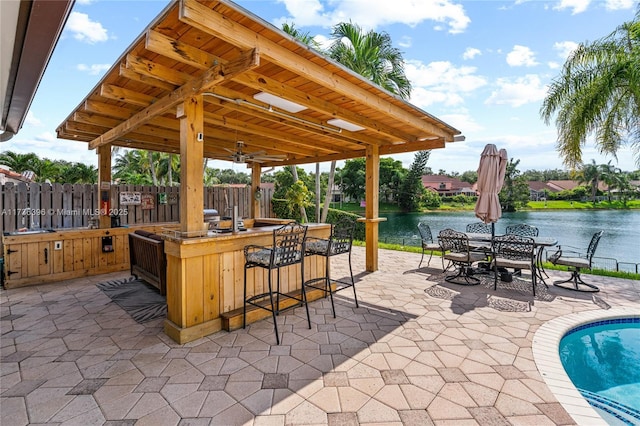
{"x":540,"y":244}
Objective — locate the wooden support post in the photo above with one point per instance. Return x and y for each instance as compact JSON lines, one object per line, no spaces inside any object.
{"x":256,"y":170}
{"x":372,"y":185}
{"x":191,"y":116}
{"x":104,"y":175}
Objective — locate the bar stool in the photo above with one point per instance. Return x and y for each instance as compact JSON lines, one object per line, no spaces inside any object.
{"x":287,"y":249}
{"x":339,"y":242}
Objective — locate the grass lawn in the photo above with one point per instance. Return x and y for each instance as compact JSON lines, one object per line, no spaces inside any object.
{"x":579,"y":205}
{"x":532,"y":205}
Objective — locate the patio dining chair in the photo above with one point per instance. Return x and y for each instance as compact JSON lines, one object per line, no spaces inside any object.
{"x":514,"y":251}
{"x":576,"y":259}
{"x":427,"y":242}
{"x":480,"y":228}
{"x":287,"y":250}
{"x":522,"y":229}
{"x":456,"y":249}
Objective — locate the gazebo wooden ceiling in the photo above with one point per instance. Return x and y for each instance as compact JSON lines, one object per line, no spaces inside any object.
{"x":230,"y":55}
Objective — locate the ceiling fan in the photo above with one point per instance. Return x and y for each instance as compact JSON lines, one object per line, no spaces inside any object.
{"x":239,"y":156}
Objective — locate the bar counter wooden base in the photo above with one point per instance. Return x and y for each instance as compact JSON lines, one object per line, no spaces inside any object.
{"x":205,"y":279}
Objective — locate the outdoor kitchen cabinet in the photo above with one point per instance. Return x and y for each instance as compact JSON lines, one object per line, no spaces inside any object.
{"x":40,"y":258}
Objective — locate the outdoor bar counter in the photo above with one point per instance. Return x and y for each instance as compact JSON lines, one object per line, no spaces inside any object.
{"x":213,"y":268}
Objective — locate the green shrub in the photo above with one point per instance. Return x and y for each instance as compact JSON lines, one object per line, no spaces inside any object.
{"x":281,"y":211}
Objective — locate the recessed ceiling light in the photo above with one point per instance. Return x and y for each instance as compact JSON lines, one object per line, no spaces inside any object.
{"x":345,"y":125}
{"x":276,"y":101}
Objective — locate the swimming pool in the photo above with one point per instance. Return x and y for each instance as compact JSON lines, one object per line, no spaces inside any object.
{"x":602,"y":359}
{"x":546,"y":353}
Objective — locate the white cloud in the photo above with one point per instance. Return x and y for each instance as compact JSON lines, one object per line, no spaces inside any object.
{"x":441,"y":82}
{"x":323,"y":41}
{"x":32,"y":120}
{"x":471,"y":52}
{"x":93,"y":69}
{"x":463,"y":122}
{"x":565,"y":48}
{"x":577,"y":6}
{"x":619,"y":4}
{"x":84,"y":2}
{"x":372,"y":14}
{"x":553,"y":65}
{"x":518,"y":92}
{"x":405,"y":41}
{"x":521,"y":56}
{"x":84,"y":29}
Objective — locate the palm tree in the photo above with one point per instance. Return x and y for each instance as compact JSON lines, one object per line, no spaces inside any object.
{"x":609,"y":175}
{"x":305,"y":38}
{"x":591,"y":174}
{"x":20,"y":162}
{"x":598,"y":92}
{"x":371,"y":55}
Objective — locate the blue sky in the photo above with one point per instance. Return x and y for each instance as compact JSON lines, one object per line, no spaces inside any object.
{"x":481,"y":66}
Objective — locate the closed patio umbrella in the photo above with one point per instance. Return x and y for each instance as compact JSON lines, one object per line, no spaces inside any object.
{"x":491,"y":171}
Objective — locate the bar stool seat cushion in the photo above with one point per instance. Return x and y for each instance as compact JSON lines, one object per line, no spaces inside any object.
{"x":321,"y":247}
{"x":262,"y":257}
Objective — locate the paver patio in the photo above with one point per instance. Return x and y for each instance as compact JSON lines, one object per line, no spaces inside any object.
{"x":418,"y":351}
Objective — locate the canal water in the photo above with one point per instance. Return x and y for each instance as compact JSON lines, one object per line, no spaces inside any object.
{"x":621,"y":238}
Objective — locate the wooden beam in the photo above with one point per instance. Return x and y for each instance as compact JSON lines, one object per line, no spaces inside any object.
{"x":104,"y":175}
{"x":213,"y":76}
{"x":108,"y":109}
{"x":132,"y":97}
{"x":249,"y":106}
{"x":412,"y":147}
{"x":256,"y":171}
{"x":213,"y":23}
{"x":266,"y":84}
{"x":190,"y":114}
{"x":166,"y":46}
{"x":383,"y":150}
{"x":152,"y":69}
{"x":150,"y":81}
{"x":372,"y":187}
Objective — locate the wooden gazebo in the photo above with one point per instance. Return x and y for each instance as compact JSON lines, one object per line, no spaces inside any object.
{"x":206,"y":74}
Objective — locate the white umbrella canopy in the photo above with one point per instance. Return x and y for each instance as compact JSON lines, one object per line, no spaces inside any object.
{"x":491,"y":171}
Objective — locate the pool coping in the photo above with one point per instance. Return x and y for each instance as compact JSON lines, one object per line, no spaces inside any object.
{"x":550,"y":366}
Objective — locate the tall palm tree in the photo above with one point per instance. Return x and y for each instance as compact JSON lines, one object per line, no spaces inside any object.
{"x":591,"y":174}
{"x":372,"y":55}
{"x":598,"y":92}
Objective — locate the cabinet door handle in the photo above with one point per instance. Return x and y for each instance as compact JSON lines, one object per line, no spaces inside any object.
{"x":46,"y":256}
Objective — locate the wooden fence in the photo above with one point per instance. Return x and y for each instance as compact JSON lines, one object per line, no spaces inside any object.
{"x":55,"y":206}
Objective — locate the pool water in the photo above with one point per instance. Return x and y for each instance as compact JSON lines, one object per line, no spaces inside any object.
{"x":602,"y":359}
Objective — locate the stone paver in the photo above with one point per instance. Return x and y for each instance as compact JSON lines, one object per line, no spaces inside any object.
{"x":418,"y":351}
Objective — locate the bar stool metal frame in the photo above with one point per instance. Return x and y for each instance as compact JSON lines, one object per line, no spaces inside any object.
{"x":287,"y":249}
{"x":339,"y":242}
